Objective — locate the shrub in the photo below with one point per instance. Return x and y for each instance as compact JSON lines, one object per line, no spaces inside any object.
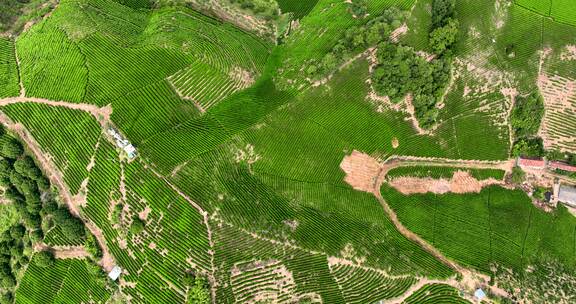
{"x":137,"y":226}
{"x":12,"y":149}
{"x":45,"y":259}
{"x":92,"y":246}
{"x":442,"y":11}
{"x":6,"y":298}
{"x":26,"y":166}
{"x":199,"y":293}
{"x":442,"y":38}
{"x":72,"y":227}
{"x":527,"y":115}
{"x":17,"y":231}
{"x":517,"y":175}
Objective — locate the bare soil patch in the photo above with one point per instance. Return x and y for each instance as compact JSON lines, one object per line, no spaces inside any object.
{"x":242,"y":77}
{"x":461,"y":182}
{"x":361,"y":171}
{"x":569,"y":53}
{"x":395,"y":143}
{"x":397,"y":33}
{"x":64,"y":252}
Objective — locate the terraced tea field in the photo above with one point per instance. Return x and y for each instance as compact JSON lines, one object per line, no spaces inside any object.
{"x":211,"y":162}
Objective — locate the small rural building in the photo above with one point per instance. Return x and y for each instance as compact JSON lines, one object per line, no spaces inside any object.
{"x":562,"y":166}
{"x":115,"y":273}
{"x":531,"y":163}
{"x":479,"y":294}
{"x":123,"y":143}
{"x":567,"y":195}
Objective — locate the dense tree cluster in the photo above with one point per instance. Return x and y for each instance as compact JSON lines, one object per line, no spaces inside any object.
{"x":29,"y":191}
{"x":444,"y":26}
{"x":525,"y":120}
{"x":527,"y":115}
{"x":357,"y":39}
{"x":400,"y":71}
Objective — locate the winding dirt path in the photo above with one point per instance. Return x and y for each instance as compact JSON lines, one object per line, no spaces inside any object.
{"x":360,"y":168}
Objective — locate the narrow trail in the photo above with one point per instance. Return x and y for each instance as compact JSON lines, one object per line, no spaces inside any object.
{"x":57,"y":179}
{"x":204,"y":213}
{"x":64,"y":252}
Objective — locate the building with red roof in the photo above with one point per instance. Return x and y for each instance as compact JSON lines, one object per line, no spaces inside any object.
{"x":531,"y":163}
{"x":561,"y":166}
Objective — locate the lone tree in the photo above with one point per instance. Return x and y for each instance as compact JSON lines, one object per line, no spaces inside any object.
{"x":45,"y":259}
{"x":12,"y":149}
{"x":137,"y":225}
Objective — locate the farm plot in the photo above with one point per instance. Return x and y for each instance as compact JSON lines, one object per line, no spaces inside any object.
{"x":68,"y":281}
{"x":559,"y":10}
{"x":253,"y":268}
{"x":305,"y":212}
{"x":498,"y":226}
{"x":8,"y":69}
{"x":444,"y":172}
{"x":557,"y":84}
{"x":435,"y":293}
{"x":366,"y":285}
{"x":68,"y":136}
{"x":152,"y":110}
{"x":299,"y":8}
{"x":226,"y":59}
{"x":121,"y":194}
{"x":52,"y":66}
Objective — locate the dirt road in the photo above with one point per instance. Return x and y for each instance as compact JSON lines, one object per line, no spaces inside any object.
{"x":64,"y":252}
{"x":362,"y":174}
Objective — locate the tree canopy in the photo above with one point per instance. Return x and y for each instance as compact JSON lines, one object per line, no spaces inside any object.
{"x":45,"y":259}
{"x":12,"y":149}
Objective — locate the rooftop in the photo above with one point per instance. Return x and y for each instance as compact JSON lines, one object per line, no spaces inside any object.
{"x":533,"y":163}
{"x":562,"y":166}
{"x":567,"y":195}
{"x":479,"y":294}
{"x":115,"y":273}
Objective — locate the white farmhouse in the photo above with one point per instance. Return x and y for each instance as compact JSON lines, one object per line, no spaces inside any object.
{"x":115,"y":273}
